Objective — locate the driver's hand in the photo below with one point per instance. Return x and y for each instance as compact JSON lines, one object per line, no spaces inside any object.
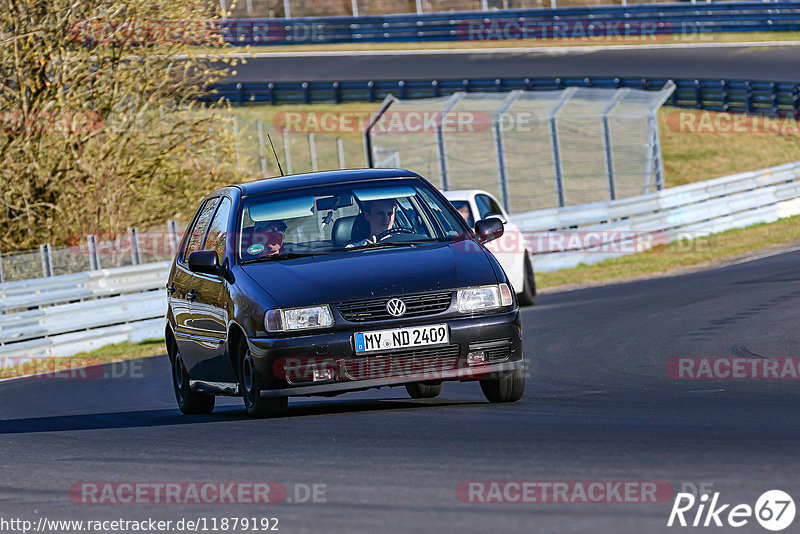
{"x":370,"y":241}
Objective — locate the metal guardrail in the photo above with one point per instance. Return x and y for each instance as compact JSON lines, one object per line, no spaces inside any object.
{"x":715,"y":95}
{"x":683,"y":212}
{"x":63,"y":315}
{"x":651,"y":21}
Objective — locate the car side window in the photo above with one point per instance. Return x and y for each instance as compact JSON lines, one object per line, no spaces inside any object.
{"x":217,"y":234}
{"x":484,"y":205}
{"x":199,"y":229}
{"x":494,"y":207}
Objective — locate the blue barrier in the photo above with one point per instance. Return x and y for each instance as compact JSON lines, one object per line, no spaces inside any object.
{"x":647,"y":21}
{"x":716,"y":95}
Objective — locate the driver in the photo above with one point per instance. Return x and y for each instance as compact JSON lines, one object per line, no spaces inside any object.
{"x":379,"y":214}
{"x":272,"y":232}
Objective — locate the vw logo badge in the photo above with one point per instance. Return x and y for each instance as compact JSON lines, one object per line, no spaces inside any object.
{"x":396,"y":307}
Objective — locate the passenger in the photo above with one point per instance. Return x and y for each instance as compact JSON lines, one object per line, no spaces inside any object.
{"x":271,"y":233}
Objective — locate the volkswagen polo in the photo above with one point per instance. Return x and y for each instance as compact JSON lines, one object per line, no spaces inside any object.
{"x":331,"y":282}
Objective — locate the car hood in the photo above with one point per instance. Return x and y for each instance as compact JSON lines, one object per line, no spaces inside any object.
{"x":363,"y":274}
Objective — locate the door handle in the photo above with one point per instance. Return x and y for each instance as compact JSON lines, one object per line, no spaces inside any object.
{"x":191,"y":296}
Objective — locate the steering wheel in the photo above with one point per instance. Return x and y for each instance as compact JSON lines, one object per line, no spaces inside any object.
{"x":392,"y":231}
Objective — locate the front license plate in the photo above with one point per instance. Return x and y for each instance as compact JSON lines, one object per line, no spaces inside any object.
{"x":401,"y":338}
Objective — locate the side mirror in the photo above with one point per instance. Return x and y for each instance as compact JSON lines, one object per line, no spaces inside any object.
{"x":204,"y":261}
{"x":489,"y":229}
{"x":496,"y":216}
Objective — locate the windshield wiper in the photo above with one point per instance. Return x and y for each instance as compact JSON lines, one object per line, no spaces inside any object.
{"x":284,"y":256}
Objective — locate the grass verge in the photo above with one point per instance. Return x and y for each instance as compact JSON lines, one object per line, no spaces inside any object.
{"x":107,"y":354}
{"x":699,"y":253}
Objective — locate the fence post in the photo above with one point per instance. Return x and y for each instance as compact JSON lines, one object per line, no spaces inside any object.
{"x":609,"y":149}
{"x":354,"y":4}
{"x":133,"y":233}
{"x":223,"y":9}
{"x":484,"y":5}
{"x":340,"y":147}
{"x":172,"y":230}
{"x":312,"y":150}
{"x":497,"y":127}
{"x":658,"y":161}
{"x":368,"y":155}
{"x":287,"y":12}
{"x":556,"y":144}
{"x":47,"y":260}
{"x":287,"y":152}
{"x":94,"y":257}
{"x":236,"y":143}
{"x":419,"y":7}
{"x":2,"y":279}
{"x":441,"y":149}
{"x":261,"y":149}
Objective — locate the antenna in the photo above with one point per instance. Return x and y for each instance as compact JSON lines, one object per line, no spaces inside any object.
{"x":277,"y":160}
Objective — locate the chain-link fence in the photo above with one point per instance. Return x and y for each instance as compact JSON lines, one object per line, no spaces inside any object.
{"x":329,"y":8}
{"x":534,"y":150}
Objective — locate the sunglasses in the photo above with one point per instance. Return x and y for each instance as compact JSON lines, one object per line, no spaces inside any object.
{"x":273,"y":229}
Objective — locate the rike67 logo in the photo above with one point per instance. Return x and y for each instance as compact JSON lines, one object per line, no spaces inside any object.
{"x":774,"y":510}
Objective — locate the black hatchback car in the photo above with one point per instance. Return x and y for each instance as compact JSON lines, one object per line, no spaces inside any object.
{"x":329,"y":282}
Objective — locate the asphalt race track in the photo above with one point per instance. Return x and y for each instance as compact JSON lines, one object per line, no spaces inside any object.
{"x":775,"y":63}
{"x":599,"y":406}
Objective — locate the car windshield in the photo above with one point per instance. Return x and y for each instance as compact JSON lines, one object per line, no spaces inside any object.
{"x":310,"y":221}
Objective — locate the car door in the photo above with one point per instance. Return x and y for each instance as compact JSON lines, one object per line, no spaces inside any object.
{"x":210,"y":306}
{"x":184,"y":296}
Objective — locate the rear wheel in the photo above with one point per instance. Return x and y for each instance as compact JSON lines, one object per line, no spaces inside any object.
{"x":527,"y":297}
{"x":190,"y":402}
{"x":421,"y":390}
{"x":508,"y":388}
{"x":250,"y":384}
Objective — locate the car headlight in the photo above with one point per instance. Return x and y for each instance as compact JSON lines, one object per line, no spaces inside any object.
{"x":291,"y":319}
{"x":484,"y":298}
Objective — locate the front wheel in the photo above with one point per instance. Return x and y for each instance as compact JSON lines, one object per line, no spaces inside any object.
{"x":190,"y":402}
{"x":508,"y":388}
{"x":250,"y":383}
{"x":420,"y":390}
{"x":527,"y":297}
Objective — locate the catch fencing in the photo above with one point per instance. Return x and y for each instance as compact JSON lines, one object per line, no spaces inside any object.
{"x":267,"y":22}
{"x":533,"y":150}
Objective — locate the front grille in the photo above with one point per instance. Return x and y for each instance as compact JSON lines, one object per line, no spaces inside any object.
{"x":419,"y":305}
{"x":402,"y":363}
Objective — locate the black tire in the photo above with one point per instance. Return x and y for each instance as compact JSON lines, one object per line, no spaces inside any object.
{"x":250,"y":385}
{"x":189,"y":402}
{"x":421,"y":390}
{"x":508,"y":388}
{"x":527,"y":297}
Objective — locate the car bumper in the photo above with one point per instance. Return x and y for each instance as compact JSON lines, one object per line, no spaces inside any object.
{"x":326,"y":363}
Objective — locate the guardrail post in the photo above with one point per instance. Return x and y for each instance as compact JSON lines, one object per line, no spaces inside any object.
{"x":556,"y":145}
{"x":441,"y":149}
{"x":287,"y":11}
{"x":419,"y":7}
{"x":312,"y":150}
{"x":354,"y":7}
{"x":499,"y":144}
{"x":133,"y":234}
{"x":261,"y":149}
{"x":172,"y":230}
{"x":287,"y":152}
{"x":47,"y":260}
{"x":2,"y":279}
{"x":658,"y":161}
{"x":340,"y":149}
{"x":94,"y":256}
